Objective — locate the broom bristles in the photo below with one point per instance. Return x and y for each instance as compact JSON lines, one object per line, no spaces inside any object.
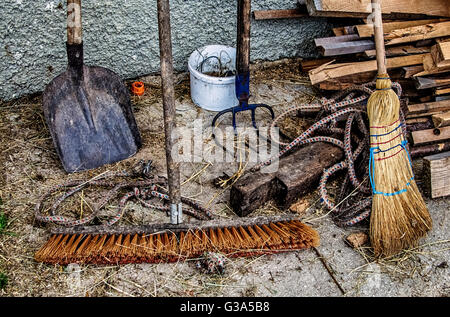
{"x":168,"y":246}
{"x":399,"y":215}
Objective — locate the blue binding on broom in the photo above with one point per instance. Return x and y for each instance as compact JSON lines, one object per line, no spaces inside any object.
{"x":372,"y":164}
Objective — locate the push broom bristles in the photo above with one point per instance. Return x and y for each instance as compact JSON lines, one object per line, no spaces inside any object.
{"x":170,"y":245}
{"x":399,"y":215}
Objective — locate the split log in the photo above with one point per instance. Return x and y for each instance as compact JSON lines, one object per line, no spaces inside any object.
{"x":430,"y":67}
{"x":419,"y":124}
{"x":424,"y":150}
{"x":441,"y":54}
{"x":428,"y":108}
{"x":366,"y":30}
{"x":441,"y":119}
{"x":333,"y":71}
{"x":442,"y":91}
{"x":436,"y":175}
{"x":431,"y":135}
{"x":430,"y":82}
{"x":404,"y":50}
{"x":344,"y":30}
{"x":410,"y":71}
{"x":298,"y":174}
{"x":417,"y":33}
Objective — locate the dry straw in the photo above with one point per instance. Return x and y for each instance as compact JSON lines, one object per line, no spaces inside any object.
{"x":399,"y":215}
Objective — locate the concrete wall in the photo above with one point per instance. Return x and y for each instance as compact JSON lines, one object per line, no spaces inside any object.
{"x":123,"y":35}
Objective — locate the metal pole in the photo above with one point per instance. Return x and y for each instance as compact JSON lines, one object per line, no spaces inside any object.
{"x":173,"y":168}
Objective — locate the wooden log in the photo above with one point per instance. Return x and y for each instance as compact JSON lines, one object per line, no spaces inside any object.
{"x":333,"y":71}
{"x":344,"y":30}
{"x":431,"y":135}
{"x":430,"y":82}
{"x":390,"y":8}
{"x":442,"y":98}
{"x":366,"y":30}
{"x":278,"y":14}
{"x":336,"y":39}
{"x":404,"y":50}
{"x":343,"y":48}
{"x":410,"y":71}
{"x":430,"y":66}
{"x":424,"y":150}
{"x":442,"y":91}
{"x":436,"y":174}
{"x":298,"y":174}
{"x":441,"y":54}
{"x":416,"y":124}
{"x":441,"y":119}
{"x":428,"y":108}
{"x":418,"y":33}
{"x":307,"y":65}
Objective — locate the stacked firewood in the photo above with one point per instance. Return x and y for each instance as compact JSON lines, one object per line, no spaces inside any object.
{"x":417,"y":39}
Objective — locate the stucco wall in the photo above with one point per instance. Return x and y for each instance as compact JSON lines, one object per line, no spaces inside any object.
{"x":123,"y":35}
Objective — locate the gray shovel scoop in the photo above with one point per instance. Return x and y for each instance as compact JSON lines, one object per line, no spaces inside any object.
{"x":88,"y":109}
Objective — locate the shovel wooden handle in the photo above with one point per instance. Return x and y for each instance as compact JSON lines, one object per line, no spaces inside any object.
{"x":74,"y":35}
{"x":379,"y":36}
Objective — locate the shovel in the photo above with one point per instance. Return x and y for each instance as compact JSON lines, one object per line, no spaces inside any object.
{"x":88,"y":109}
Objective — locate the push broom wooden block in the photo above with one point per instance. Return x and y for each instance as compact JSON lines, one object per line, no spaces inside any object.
{"x":298,"y":174}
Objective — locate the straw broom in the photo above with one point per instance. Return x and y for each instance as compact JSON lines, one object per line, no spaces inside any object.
{"x":399,"y":215}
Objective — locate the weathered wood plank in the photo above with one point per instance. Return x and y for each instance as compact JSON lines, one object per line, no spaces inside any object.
{"x":336,"y":39}
{"x":307,"y":65}
{"x":410,"y":71}
{"x":333,"y":71}
{"x":390,"y":8}
{"x":424,"y":150}
{"x":430,"y":82}
{"x":278,"y":14}
{"x":417,"y":33}
{"x":431,"y":135}
{"x":344,"y":48}
{"x":366,"y":30}
{"x":436,"y":174}
{"x":429,"y":107}
{"x":442,"y":91}
{"x":400,"y":51}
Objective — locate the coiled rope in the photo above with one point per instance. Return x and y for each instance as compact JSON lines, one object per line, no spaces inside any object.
{"x":143,"y":190}
{"x":348,"y":105}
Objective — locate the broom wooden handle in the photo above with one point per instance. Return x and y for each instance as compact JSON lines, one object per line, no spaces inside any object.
{"x":74,"y":32}
{"x":379,"y":36}
{"x":168,"y":98}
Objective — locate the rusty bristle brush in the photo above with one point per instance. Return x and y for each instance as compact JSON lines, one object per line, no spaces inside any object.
{"x":170,"y":243}
{"x":399,"y":216}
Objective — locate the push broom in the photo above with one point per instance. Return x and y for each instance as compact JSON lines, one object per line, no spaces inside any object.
{"x":399,"y":215}
{"x":175,"y":241}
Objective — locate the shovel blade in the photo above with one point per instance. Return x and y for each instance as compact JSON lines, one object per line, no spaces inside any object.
{"x":90,"y":118}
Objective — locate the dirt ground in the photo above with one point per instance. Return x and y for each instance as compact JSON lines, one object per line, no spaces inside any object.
{"x":30,"y":166}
